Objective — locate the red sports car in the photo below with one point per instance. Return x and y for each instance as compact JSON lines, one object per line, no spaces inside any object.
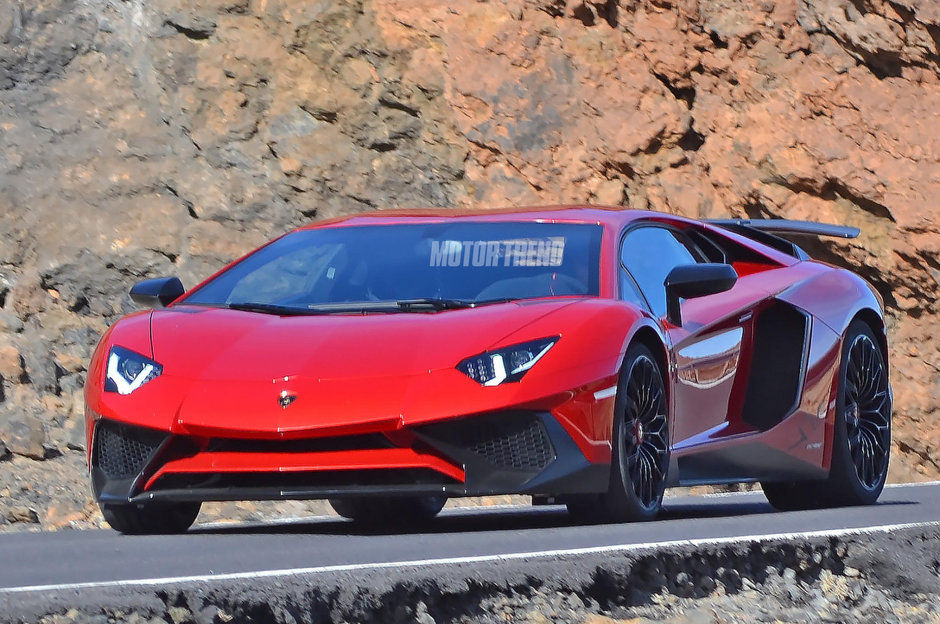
{"x":580,"y":355}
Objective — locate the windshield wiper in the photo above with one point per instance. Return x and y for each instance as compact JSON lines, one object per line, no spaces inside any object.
{"x":433,"y":303}
{"x":268,"y":308}
{"x":353,"y":307}
{"x":483,"y":302}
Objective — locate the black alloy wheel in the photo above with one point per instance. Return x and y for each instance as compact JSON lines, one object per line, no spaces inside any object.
{"x":861,"y":442}
{"x":644,"y":454}
{"x":867,"y":412}
{"x":640,"y":446}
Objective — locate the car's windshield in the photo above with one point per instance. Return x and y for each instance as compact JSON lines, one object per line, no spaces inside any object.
{"x":435,"y":264}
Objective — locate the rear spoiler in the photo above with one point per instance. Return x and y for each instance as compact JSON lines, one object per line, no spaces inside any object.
{"x":786,"y":226}
{"x":766,"y":231}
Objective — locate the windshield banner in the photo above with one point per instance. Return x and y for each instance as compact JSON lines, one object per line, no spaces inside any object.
{"x":529,"y":252}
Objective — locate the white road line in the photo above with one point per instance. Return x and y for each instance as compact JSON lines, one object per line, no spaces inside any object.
{"x":571,"y":552}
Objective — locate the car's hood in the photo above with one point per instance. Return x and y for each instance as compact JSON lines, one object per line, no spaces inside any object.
{"x":231,"y":366}
{"x":215,"y":344}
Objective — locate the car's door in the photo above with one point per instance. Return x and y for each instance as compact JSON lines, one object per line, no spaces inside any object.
{"x":707,"y":349}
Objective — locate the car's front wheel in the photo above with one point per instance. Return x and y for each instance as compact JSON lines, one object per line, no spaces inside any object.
{"x":640,"y":446}
{"x":862,"y":437}
{"x":151,"y":518}
{"x":376,"y":510}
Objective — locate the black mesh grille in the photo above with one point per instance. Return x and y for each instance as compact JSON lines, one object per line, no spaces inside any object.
{"x":509,"y":440}
{"x":515,"y":445}
{"x":122,"y":451}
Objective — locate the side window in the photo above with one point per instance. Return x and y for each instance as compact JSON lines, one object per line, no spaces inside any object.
{"x":649,"y":253}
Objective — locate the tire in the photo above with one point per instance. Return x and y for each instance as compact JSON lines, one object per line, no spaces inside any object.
{"x":151,"y":518}
{"x":793,"y":495}
{"x":383,"y":510}
{"x":640,"y":446}
{"x":861,"y":444}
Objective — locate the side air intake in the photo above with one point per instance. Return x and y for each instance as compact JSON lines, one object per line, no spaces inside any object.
{"x":781,"y":338}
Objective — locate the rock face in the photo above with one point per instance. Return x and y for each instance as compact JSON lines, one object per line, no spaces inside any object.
{"x":168,"y":137}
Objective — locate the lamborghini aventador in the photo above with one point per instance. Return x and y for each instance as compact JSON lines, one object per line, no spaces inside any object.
{"x":585,"y":356}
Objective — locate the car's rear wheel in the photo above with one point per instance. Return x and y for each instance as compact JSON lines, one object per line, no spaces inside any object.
{"x":862,"y":437}
{"x":379,"y":510}
{"x":640,"y":446}
{"x":151,"y":518}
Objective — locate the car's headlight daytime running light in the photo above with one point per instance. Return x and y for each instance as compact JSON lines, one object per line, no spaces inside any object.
{"x":505,"y":365}
{"x":128,"y":371}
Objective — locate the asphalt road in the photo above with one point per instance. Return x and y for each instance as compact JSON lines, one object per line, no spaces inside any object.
{"x":78,"y":559}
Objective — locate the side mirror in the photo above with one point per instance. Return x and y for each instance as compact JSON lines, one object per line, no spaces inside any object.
{"x":695,"y":280}
{"x":157,"y":293}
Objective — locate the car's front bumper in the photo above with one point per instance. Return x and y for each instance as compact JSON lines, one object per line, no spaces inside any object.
{"x":511,"y":452}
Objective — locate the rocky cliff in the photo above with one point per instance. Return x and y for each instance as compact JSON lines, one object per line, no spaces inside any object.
{"x":142,"y":138}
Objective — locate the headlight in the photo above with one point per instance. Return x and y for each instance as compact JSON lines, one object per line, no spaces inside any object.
{"x":128,"y":371}
{"x":508,"y":364}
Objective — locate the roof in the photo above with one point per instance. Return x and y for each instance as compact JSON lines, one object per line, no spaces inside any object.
{"x":606,"y":215}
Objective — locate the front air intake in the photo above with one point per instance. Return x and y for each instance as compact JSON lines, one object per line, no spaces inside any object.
{"x":516,"y":440}
{"x":122,"y":451}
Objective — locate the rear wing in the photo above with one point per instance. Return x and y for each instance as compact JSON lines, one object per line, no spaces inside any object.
{"x":785,"y":226}
{"x":766,"y":231}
